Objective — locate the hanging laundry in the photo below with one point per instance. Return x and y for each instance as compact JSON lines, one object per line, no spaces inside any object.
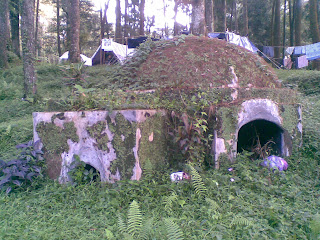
{"x":287,"y":63}
{"x":290,"y":50}
{"x":300,"y":50}
{"x":269,"y":51}
{"x":313,"y":51}
{"x":301,"y":62}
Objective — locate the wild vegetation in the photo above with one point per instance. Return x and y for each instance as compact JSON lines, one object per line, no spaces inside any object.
{"x":242,"y":200}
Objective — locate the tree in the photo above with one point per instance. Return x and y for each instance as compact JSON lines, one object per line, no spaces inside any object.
{"x":245,"y":18}
{"x":209,"y":6}
{"x":28,"y":46}
{"x":74,"y":15}
{"x":58,"y":28}
{"x":297,"y":21}
{"x":142,"y":18}
{"x":277,"y":30}
{"x":37,"y":47}
{"x":221,"y":11}
{"x":4,"y":16}
{"x":15,"y":26}
{"x":198,"y":25}
{"x":118,"y":34}
{"x":314,"y":26}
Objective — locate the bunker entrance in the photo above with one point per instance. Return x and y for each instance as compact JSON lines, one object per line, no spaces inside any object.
{"x":260,"y":137}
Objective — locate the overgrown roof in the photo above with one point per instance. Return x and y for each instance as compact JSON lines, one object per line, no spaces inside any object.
{"x":191,"y":62}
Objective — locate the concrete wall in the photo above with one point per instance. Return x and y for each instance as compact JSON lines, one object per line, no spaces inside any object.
{"x":116,"y":143}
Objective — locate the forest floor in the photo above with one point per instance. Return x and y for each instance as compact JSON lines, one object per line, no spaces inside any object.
{"x":247,"y":202}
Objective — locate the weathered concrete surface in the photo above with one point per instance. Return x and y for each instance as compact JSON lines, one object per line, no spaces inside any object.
{"x":94,"y":136}
{"x":288,"y":121}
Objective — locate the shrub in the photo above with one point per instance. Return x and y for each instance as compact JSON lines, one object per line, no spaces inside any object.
{"x":22,"y":170}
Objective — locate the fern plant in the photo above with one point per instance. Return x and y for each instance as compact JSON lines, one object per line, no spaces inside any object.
{"x":173,"y":230}
{"x":134,"y":229}
{"x":168,"y":201}
{"x":197,"y":182}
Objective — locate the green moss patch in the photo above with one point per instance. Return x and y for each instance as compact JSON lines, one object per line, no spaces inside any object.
{"x":97,"y":131}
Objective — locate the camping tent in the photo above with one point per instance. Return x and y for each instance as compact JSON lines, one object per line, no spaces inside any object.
{"x":235,"y":39}
{"x":112,"y":53}
{"x":87,"y":61}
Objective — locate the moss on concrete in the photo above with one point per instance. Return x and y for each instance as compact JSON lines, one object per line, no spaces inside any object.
{"x":54,"y":140}
{"x":153,"y":145}
{"x":123,"y":142}
{"x":97,"y":131}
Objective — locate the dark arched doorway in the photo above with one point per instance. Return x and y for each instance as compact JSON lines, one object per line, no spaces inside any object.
{"x":261,"y":137}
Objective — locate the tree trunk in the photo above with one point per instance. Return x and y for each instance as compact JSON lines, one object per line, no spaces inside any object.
{"x":272,"y":23}
{"x":74,"y":14}
{"x":314,"y":26}
{"x":142,"y":19}
{"x":175,"y":24}
{"x":245,"y":18}
{"x":126,"y":27}
{"x":231,"y":15}
{"x":118,"y":35}
{"x":4,"y":16}
{"x":221,"y":15}
{"x":58,"y":28}
{"x":236,"y":25}
{"x":15,"y":27}
{"x":28,"y":46}
{"x":198,"y":25}
{"x":277,"y":30}
{"x":37,"y":45}
{"x":297,"y":21}
{"x":209,"y":15}
{"x":291,"y":22}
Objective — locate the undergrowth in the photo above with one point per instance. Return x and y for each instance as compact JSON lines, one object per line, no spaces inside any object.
{"x":240,"y":201}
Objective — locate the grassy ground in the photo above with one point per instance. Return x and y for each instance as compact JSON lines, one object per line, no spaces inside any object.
{"x":247,"y":202}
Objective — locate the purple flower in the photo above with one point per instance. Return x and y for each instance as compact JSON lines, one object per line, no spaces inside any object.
{"x":230,"y":169}
{"x":232,"y":179}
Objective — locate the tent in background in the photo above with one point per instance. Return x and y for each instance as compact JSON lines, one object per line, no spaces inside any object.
{"x":235,"y":39}
{"x":112,"y":53}
{"x":87,"y":61}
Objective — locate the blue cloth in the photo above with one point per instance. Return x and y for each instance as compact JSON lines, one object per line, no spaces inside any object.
{"x":313,"y":51}
{"x":269,"y":51}
{"x":300,"y":50}
{"x":275,"y":162}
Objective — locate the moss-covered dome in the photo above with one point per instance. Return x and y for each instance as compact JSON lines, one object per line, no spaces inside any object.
{"x":200,"y":62}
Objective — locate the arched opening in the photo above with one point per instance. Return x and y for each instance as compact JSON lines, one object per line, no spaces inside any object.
{"x":261,"y":137}
{"x":82,"y":172}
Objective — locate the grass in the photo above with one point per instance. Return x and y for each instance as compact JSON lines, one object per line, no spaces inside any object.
{"x":258,"y":204}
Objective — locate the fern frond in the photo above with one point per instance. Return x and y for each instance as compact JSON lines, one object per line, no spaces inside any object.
{"x":241,"y":221}
{"x":168,"y":201}
{"x":315,"y":226}
{"x":134,"y":219}
{"x":197,"y":182}
{"x":173,"y":230}
{"x":146,"y":229}
{"x":121,"y":224}
{"x":213,"y":205}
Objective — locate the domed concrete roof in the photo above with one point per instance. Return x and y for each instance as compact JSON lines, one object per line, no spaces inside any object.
{"x":202,"y":62}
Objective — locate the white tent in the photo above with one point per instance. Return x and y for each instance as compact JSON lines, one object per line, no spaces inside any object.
{"x":87,"y":61}
{"x":113,"y":52}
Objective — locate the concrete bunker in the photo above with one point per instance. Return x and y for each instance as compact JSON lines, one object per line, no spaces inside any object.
{"x":242,"y":94}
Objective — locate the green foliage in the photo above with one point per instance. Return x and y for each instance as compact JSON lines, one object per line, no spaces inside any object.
{"x":82,"y":173}
{"x":21,"y":171}
{"x":307,"y":82}
{"x":197,"y":182}
{"x":173,"y":230}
